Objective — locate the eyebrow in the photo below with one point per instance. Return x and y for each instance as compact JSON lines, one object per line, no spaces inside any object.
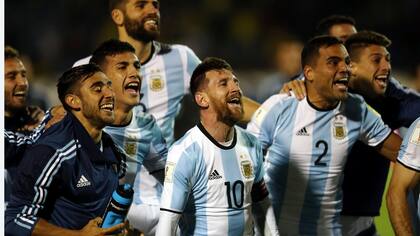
{"x":97,"y":83}
{"x":122,"y":63}
{"x":379,"y":54}
{"x":334,"y":58}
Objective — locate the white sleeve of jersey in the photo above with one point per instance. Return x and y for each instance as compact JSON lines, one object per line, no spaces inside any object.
{"x":409,"y":154}
{"x":179,"y":172}
{"x":264,"y":121}
{"x":265,"y":221}
{"x":190,"y":61}
{"x":168,"y":223}
{"x":374,"y":130}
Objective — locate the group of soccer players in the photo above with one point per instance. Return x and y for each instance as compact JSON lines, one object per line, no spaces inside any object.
{"x":283,"y":175}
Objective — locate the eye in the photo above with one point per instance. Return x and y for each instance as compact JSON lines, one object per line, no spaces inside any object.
{"x":156,"y":4}
{"x":332,"y":62}
{"x":121,"y":67}
{"x":97,"y":89}
{"x":223,"y":82}
{"x":141,"y":5}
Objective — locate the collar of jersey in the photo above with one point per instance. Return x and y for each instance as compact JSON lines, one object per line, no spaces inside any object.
{"x":214,"y":141}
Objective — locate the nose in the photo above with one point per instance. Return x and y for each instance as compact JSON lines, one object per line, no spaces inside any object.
{"x":345,"y":68}
{"x":234,"y":86}
{"x":385,"y":65}
{"x":21,"y":80}
{"x":108,"y":92}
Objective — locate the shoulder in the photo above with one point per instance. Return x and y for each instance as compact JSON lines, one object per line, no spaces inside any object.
{"x":189,"y":144}
{"x":275,"y":104}
{"x":58,"y":135}
{"x":355,"y":103}
{"x":164,"y":48}
{"x":143,"y":119}
{"x":245,"y":135}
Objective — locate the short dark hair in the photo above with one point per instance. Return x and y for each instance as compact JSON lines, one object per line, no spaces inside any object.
{"x":364,"y":39}
{"x":10,"y":52}
{"x":115,"y":4}
{"x":325,"y":24}
{"x":110,"y":47}
{"x":208,"y":64}
{"x":68,"y":81}
{"x":311,"y":50}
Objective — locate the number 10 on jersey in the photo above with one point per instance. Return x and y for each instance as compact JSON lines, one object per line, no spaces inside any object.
{"x":232,"y":192}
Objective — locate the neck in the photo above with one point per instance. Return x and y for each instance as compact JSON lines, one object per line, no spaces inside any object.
{"x":220,"y":131}
{"x":143,"y":49}
{"x":94,"y":131}
{"x":318,"y":100}
{"x":123,"y":116}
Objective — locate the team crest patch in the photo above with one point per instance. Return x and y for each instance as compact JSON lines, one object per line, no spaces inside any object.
{"x":415,"y":137}
{"x":169,"y":172}
{"x":247,"y":170}
{"x":130,"y":148}
{"x":339,"y":127}
{"x":156,"y":83}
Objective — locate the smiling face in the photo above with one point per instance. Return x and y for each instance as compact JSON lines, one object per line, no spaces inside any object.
{"x":15,"y":85}
{"x":96,"y":100}
{"x":124,"y":71}
{"x":329,"y":77}
{"x":224,"y":95}
{"x":142,"y":19}
{"x":371,"y":70}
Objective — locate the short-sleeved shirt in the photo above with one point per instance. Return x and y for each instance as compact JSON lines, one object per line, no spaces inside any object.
{"x":210,"y":184}
{"x":306,"y":152}
{"x":144,"y":145}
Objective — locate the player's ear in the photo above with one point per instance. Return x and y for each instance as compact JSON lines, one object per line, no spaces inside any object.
{"x":117,"y":16}
{"x":201,"y":98}
{"x":309,"y":72}
{"x":73,"y":101}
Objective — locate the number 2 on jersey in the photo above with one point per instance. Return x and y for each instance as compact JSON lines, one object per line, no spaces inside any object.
{"x":318,"y":160}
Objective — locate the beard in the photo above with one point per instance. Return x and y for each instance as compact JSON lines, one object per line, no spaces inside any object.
{"x":227,"y":115}
{"x":136,"y":30}
{"x":94,"y":115}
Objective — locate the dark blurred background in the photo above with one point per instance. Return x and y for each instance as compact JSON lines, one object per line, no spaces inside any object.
{"x":54,"y":34}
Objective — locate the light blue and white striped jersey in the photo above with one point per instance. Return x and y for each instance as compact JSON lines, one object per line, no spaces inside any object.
{"x":166,"y":79}
{"x":210,"y":184}
{"x":144,"y":145}
{"x":307,"y":149}
{"x":409,"y":156}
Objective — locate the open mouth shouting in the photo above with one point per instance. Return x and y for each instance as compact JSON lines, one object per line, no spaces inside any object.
{"x":133,"y":88}
{"x":107,"y":106}
{"x":342,"y":83}
{"x":381,"y":81}
{"x":20,"y":94}
{"x":151,"y":23}
{"x":235,"y":102}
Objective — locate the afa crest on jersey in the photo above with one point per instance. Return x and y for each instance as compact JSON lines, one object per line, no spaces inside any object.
{"x":415,"y":137}
{"x":156,"y":83}
{"x":339,"y":128}
{"x":130,"y":148}
{"x":247,"y":170}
